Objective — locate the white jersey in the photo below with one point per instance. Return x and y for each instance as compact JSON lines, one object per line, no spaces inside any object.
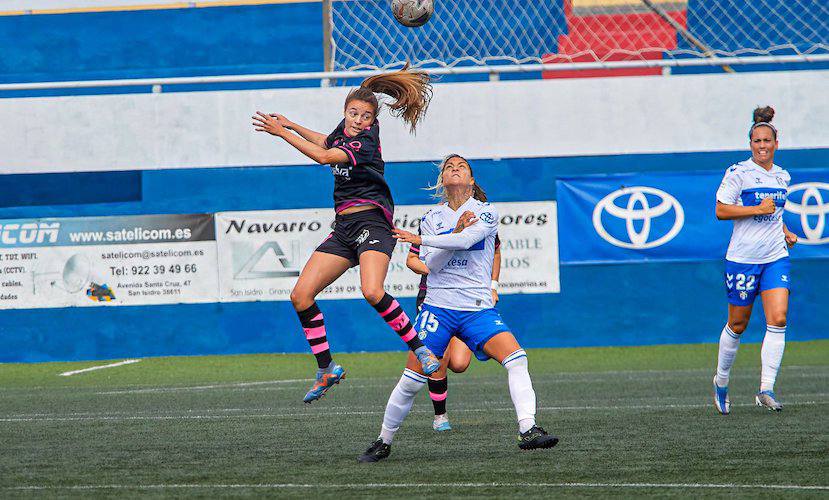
{"x":757,"y":239}
{"x":460,"y":265}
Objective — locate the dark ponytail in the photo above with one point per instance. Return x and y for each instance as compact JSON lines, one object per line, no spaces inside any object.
{"x":411,"y":91}
{"x":762,"y":117}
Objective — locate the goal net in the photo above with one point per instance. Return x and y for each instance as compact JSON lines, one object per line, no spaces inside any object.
{"x":364,"y":35}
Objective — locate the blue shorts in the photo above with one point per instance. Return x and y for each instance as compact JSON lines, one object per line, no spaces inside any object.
{"x":744,"y":281}
{"x":436,"y":326}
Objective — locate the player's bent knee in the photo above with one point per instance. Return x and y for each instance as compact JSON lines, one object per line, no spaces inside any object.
{"x":373,"y":294}
{"x":301,"y":300}
{"x":738,"y":327}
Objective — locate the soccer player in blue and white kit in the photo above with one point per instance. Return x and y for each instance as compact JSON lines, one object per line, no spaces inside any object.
{"x":459,"y":304}
{"x":752,"y":194}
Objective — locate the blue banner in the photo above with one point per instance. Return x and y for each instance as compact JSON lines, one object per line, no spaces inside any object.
{"x":670,"y":217}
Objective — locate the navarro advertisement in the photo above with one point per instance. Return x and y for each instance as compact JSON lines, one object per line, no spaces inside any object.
{"x":107,"y":261}
{"x":670,"y":217}
{"x":262,"y":253}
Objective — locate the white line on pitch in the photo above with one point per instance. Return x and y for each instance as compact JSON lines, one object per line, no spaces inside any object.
{"x":205,"y":387}
{"x":93,"y":368}
{"x":423,"y":485}
{"x":124,"y":418}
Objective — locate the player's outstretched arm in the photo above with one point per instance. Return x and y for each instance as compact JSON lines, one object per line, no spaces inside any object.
{"x":306,"y":133}
{"x":267,"y":123}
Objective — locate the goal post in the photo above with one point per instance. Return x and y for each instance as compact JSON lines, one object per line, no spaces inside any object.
{"x":364,"y":35}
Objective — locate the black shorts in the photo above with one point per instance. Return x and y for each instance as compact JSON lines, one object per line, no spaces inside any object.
{"x":359,"y":232}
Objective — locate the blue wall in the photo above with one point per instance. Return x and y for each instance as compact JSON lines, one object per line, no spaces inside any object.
{"x":629,"y":304}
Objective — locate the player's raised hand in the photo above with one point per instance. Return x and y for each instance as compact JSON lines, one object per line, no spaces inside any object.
{"x":467,"y":219}
{"x":766,"y":206}
{"x":288,"y":124}
{"x":267,"y":123}
{"x":406,"y":236}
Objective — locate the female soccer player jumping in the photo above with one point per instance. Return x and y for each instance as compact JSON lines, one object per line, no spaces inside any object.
{"x":457,"y":356}
{"x":752,"y":194}
{"x":459,"y":304}
{"x":363,"y":226}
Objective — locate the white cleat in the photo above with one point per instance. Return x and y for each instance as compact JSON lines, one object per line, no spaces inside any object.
{"x":768,"y":400}
{"x":721,"y":401}
{"x":441,"y":423}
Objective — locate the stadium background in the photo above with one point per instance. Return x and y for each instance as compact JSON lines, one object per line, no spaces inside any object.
{"x":128,"y":151}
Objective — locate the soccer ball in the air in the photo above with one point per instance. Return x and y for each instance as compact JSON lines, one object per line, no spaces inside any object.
{"x":412,"y":13}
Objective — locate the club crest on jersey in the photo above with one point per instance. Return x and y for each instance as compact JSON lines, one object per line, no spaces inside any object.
{"x":487,"y":217}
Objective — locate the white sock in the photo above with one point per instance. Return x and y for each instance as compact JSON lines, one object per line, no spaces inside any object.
{"x":729,"y":342}
{"x":771,"y":355}
{"x":521,"y":389}
{"x":400,"y":403}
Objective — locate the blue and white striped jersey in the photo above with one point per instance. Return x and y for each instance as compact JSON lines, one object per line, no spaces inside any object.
{"x":460,"y":264}
{"x":757,"y":239}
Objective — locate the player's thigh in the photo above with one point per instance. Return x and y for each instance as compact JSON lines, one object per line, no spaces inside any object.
{"x":501,"y":345}
{"x":374,"y":266}
{"x":321,"y":270}
{"x":738,"y":317}
{"x":459,"y":355}
{"x":436,"y":327}
{"x":775,"y":305}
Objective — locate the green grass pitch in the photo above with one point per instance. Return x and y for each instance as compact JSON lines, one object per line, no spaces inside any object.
{"x":634,"y":421}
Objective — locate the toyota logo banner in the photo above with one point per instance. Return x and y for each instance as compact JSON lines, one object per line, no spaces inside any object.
{"x":669,"y":216}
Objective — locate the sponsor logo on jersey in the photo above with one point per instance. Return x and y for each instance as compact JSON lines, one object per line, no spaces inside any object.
{"x":808,"y":204}
{"x":643,"y":208}
{"x":487,"y":217}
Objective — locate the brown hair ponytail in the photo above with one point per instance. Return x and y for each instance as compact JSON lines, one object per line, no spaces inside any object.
{"x":762,"y":117}
{"x":410,"y":90}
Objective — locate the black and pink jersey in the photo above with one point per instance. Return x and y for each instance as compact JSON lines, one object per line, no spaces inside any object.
{"x":360,"y":181}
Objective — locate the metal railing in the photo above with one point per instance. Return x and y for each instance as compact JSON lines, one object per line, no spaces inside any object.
{"x":325,"y":77}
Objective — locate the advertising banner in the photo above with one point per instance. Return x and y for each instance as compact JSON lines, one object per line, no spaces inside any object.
{"x":262,"y":253}
{"x":107,"y":261}
{"x":670,"y":217}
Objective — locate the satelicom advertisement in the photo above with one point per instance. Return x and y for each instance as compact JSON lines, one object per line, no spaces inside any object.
{"x":107,"y":261}
{"x":262,"y":253}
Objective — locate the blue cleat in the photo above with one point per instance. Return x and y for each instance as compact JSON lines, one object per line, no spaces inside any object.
{"x":324,"y":382}
{"x":428,"y":361}
{"x":721,"y":401}
{"x":441,"y":423}
{"x":767,"y":399}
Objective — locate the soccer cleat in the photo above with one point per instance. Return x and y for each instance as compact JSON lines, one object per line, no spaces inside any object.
{"x":536,"y":438}
{"x":721,"y":401}
{"x":769,"y":400}
{"x":428,"y":361}
{"x":441,"y":423}
{"x":376,"y":452}
{"x":324,"y":382}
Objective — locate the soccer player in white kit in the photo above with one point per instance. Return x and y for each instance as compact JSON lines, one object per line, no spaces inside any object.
{"x":752,"y":194}
{"x":459,"y":304}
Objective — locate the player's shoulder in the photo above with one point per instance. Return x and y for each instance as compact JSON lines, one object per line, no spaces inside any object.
{"x":781,"y":172}
{"x":739,"y":168}
{"x":486,"y":211}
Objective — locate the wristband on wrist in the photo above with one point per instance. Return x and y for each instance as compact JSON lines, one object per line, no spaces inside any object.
{"x":494,"y":285}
